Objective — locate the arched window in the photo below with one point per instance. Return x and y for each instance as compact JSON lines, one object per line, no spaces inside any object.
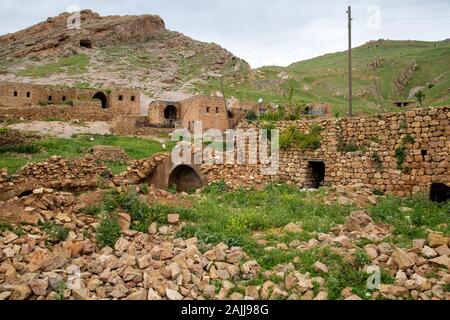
{"x":15,"y":94}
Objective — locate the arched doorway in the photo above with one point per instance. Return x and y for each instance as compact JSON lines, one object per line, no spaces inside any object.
{"x":170,"y":115}
{"x":103,"y":98}
{"x":185,"y":179}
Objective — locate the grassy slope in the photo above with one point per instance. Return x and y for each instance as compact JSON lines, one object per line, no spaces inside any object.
{"x":326,"y":77}
{"x":322,"y":79}
{"x":71,"y":148}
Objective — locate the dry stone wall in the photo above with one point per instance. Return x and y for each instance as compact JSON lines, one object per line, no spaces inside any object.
{"x":395,"y":153}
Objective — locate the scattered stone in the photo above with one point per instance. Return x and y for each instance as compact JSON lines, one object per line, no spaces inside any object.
{"x":173,"y":295}
{"x":321,"y":267}
{"x":437,"y":239}
{"x":429,"y":253}
{"x":293,"y":228}
{"x":173,"y":218}
{"x":402,"y":259}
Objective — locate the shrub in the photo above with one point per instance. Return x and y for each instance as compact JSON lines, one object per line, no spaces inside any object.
{"x":93,"y":210}
{"x":348,"y":148}
{"x":409,"y":139}
{"x":108,"y":232}
{"x":55,"y":232}
{"x":400,"y":155}
{"x":361,"y":258}
{"x":20,"y":148}
{"x":251,"y":116}
{"x":376,"y":160}
{"x":292,"y":136}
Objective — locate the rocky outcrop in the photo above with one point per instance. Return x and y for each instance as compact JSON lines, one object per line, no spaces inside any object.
{"x":55,"y":36}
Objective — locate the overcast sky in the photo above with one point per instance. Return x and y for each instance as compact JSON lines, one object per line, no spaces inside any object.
{"x":263,"y":32}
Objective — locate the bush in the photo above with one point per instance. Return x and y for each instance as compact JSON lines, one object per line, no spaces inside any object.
{"x":400,"y":155}
{"x":108,"y":232}
{"x":93,"y":210}
{"x":409,"y":139}
{"x":251,"y":116}
{"x":55,"y":232}
{"x":20,"y":148}
{"x":293,"y":137}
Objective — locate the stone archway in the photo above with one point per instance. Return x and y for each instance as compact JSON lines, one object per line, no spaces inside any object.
{"x":185,"y":179}
{"x":103,"y":98}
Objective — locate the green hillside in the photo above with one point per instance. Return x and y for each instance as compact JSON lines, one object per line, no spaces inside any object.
{"x":324,"y":79}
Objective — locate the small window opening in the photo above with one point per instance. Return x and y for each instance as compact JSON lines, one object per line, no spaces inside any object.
{"x":120,"y":97}
{"x":207,"y":110}
{"x":63,"y":98}
{"x":49,"y":98}
{"x":217,"y":110}
{"x":15,"y":94}
{"x":28,"y":94}
{"x":424,"y":153}
{"x":133,"y":98}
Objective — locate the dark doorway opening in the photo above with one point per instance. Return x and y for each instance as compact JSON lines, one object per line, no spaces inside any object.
{"x":103,"y":98}
{"x":316,"y":174}
{"x":184,"y":179}
{"x":170,"y":114}
{"x":230,"y":114}
{"x":86,"y":43}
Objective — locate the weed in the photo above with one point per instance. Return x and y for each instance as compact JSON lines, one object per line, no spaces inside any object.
{"x":56,"y":233}
{"x":361,"y":258}
{"x":108,"y":232}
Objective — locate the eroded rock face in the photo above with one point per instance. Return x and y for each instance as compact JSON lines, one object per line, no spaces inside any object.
{"x":57,"y":34}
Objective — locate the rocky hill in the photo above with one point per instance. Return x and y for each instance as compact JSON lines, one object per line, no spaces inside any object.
{"x":138,"y":51}
{"x":135,"y":51}
{"x":384,"y":71}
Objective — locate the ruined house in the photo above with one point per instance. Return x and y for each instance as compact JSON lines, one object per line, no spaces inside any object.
{"x":29,"y":100}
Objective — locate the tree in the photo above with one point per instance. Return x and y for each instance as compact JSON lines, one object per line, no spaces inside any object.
{"x":420,"y":96}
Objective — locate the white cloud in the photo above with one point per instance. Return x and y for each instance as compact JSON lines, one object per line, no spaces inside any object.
{"x":259,"y":31}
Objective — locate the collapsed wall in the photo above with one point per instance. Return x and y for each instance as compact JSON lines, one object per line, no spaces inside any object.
{"x":394,"y":153}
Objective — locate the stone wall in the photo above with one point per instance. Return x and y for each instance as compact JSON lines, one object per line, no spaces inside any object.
{"x":136,"y":126}
{"x":64,"y":113}
{"x":114,"y":102}
{"x":364,"y":151}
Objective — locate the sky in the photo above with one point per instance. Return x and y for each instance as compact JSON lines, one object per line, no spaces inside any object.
{"x":262,"y":32}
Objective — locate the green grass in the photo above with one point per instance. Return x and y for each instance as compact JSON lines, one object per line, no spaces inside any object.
{"x":412,"y":225}
{"x":326,"y":78}
{"x":136,"y":148}
{"x":235,"y":217}
{"x":72,"y":65}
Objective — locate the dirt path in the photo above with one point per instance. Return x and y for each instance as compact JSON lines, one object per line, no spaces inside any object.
{"x":63,"y":129}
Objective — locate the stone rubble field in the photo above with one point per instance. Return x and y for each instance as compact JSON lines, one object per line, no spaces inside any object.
{"x":36,"y":263}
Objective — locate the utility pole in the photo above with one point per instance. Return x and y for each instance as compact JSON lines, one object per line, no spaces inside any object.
{"x":350,"y":71}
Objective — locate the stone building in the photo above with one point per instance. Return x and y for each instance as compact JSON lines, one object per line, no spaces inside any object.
{"x":394,"y":153}
{"x":211,"y":111}
{"x":113,"y":102}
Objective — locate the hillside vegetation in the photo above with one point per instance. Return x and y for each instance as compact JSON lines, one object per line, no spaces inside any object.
{"x":324,"y":79}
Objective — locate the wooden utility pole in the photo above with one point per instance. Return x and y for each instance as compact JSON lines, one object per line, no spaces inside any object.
{"x":350,"y":75}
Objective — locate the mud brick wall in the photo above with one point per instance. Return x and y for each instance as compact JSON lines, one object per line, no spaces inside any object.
{"x":363,"y":151}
